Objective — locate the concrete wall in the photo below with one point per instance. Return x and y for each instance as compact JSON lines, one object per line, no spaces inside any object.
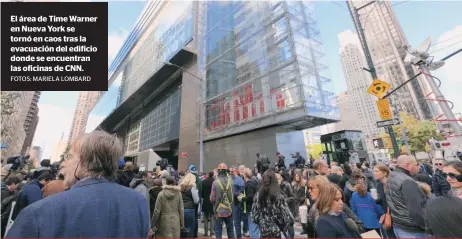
{"x":189,"y":126}
{"x":289,"y":143}
{"x":242,"y":149}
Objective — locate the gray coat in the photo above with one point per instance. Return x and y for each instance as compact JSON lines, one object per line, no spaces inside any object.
{"x":140,"y":186}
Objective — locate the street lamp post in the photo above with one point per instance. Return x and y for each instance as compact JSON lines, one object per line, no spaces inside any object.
{"x":201,"y":125}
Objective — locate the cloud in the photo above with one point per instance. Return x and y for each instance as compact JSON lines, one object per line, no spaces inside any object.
{"x":115,"y":41}
{"x":348,"y":37}
{"x":450,"y":74}
{"x":53,"y":121}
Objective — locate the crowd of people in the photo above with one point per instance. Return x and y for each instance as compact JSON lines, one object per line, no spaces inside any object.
{"x":97,"y":194}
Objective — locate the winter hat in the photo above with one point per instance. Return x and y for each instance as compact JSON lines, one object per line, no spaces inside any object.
{"x":121,"y":163}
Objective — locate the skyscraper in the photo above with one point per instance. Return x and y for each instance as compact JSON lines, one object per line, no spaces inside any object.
{"x":85,"y":103}
{"x":386,"y":41}
{"x":31,"y":119}
{"x":362,"y":103}
{"x":18,"y":126}
{"x":348,"y":117}
{"x":59,"y":149}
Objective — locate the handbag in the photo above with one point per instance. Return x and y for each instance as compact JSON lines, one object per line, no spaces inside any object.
{"x":387,"y":220}
{"x":184,"y":233}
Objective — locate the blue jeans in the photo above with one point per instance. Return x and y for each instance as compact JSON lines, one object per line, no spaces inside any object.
{"x":254,"y":230}
{"x":404,"y":234}
{"x":387,"y":233}
{"x":237,"y":217}
{"x":245,"y":219}
{"x":219,"y":227}
{"x":190,"y":221}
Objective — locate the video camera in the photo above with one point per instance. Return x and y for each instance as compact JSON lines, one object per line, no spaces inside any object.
{"x":55,"y":168}
{"x":17,"y":162}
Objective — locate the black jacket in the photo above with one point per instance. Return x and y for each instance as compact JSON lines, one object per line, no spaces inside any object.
{"x":251,"y":188}
{"x":281,"y":162}
{"x":286,"y":190}
{"x":5,"y":191}
{"x":124,"y":178}
{"x":423,"y":177}
{"x":335,"y":178}
{"x":207,"y":206}
{"x":406,"y":201}
{"x":439,"y":184}
{"x":153,"y":193}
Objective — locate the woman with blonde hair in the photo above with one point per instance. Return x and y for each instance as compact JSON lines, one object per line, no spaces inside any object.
{"x":190,"y":196}
{"x":332,"y":222}
{"x":313,"y":189}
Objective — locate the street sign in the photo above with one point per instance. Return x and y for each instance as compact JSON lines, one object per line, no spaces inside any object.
{"x":385,"y":123}
{"x":384,"y":109}
{"x":378,"y":143}
{"x":184,"y":155}
{"x":378,"y":88}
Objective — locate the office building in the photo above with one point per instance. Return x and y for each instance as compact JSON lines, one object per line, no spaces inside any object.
{"x":35,"y":154}
{"x":31,"y":120}
{"x":59,"y":149}
{"x":18,"y":127}
{"x":386,"y":41}
{"x":85,"y":103}
{"x":257,"y":68}
{"x":363,"y":104}
{"x":348,"y":117}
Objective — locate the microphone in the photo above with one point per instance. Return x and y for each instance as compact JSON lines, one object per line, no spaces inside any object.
{"x":351,"y":225}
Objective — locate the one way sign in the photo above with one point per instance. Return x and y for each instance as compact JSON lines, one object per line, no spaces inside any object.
{"x":378,"y":143}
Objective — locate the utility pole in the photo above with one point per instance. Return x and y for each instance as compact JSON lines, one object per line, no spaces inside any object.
{"x":362,"y":38}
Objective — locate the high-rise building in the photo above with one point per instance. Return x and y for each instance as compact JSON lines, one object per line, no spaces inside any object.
{"x":258,"y":71}
{"x":19,"y":126}
{"x":59,"y":149}
{"x":31,"y":121}
{"x":85,"y":103}
{"x":348,"y":117}
{"x":358,"y":80}
{"x":36,"y":154}
{"x":386,"y":41}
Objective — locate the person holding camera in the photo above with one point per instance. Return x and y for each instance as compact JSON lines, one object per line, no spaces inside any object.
{"x":299,"y":160}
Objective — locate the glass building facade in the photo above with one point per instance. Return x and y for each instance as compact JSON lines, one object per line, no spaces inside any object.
{"x":157,"y":37}
{"x":262,"y":64}
{"x":262,"y":58}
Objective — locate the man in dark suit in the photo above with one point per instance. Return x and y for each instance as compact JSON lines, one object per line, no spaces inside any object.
{"x":94,"y":207}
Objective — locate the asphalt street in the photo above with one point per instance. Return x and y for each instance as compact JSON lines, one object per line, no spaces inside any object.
{"x":298,"y":229}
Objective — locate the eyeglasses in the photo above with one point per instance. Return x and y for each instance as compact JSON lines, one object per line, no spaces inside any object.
{"x":438,"y":164}
{"x":451,"y":175}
